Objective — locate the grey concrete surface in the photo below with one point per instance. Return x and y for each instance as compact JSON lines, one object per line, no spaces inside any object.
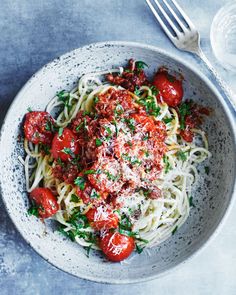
{"x":33,"y":32}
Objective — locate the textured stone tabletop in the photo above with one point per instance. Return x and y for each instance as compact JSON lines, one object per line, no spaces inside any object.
{"x":35,"y":32}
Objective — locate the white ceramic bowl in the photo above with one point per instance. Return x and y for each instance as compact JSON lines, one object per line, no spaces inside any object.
{"x":212,"y":197}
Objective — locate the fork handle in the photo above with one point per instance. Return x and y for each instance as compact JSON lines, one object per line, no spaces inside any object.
{"x":230,"y":96}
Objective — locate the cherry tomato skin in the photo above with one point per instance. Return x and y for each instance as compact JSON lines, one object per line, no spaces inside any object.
{"x":45,"y":200}
{"x":86,"y":193}
{"x":187,"y":135}
{"x":116,"y":246}
{"x":104,"y":221}
{"x":170,"y":89}
{"x":37,"y":127}
{"x":65,"y":146}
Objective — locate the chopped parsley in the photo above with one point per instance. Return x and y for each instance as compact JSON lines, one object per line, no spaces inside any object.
{"x":86,"y":113}
{"x":146,"y":153}
{"x":116,"y":128}
{"x":79,"y":126}
{"x":79,"y":222}
{"x":130,"y":123}
{"x":94,"y":194}
{"x":118,"y":110}
{"x":96,"y":99}
{"x":181,"y":155}
{"x":108,"y":130}
{"x":137,"y":91}
{"x":64,"y":97}
{"x":174,"y":230}
{"x":98,"y":142}
{"x":190,"y":199}
{"x":29,"y":109}
{"x":167,"y":120}
{"x":140,"y":64}
{"x":132,"y":160}
{"x":74,"y":198}
{"x":207,"y":169}
{"x":49,"y":126}
{"x":150,"y":105}
{"x":59,"y":162}
{"x":44,"y":148}
{"x":88,"y":249}
{"x":33,"y":210}
{"x":168,"y":167}
{"x":91,"y":171}
{"x":68,"y":151}
{"x":184,"y":110}
{"x":139,"y":249}
{"x":146,"y":137}
{"x":155,"y":91}
{"x":80,"y":182}
{"x":60,"y":131}
{"x":69,"y":234}
{"x":111,"y":177}
{"x":170,"y":78}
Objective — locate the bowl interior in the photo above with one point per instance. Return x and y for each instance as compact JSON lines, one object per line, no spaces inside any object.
{"x":211,"y":196}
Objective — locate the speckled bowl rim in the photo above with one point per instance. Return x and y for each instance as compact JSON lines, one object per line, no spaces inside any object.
{"x":231,"y":116}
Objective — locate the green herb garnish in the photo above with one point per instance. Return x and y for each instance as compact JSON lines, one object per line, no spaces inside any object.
{"x":68,"y":151}
{"x":174,"y":230}
{"x":137,"y":91}
{"x":155,"y":91}
{"x":49,"y":126}
{"x":74,"y":198}
{"x":181,"y":155}
{"x":190,"y":199}
{"x":80,"y":182}
{"x":118,"y":110}
{"x":150,"y":105}
{"x":139,"y":249}
{"x":64,"y":97}
{"x":60,"y":131}
{"x":91,"y":171}
{"x":98,"y":142}
{"x":207,"y":169}
{"x":94,"y":194}
{"x":168,"y":167}
{"x":33,"y":210}
{"x":140,"y":64}
{"x":88,"y":249}
{"x":131,"y":123}
{"x":167,"y":120}
{"x":184,"y":110}
{"x":170,"y":78}
{"x":44,"y":148}
{"x":96,"y":99}
{"x":111,"y":177}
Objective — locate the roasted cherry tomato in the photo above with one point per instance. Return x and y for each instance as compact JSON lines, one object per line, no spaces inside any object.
{"x":65,"y":146}
{"x":170,"y":89}
{"x":108,"y":179}
{"x":116,"y":246}
{"x":45,"y":201}
{"x":87,"y":192}
{"x":146,"y":124}
{"x":38,"y":127}
{"x":102,"y":218}
{"x":187,"y":135}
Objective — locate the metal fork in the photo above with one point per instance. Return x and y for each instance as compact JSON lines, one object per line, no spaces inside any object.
{"x":186,"y":38}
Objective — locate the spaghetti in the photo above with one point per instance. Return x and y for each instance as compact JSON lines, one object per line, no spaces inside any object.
{"x":119,"y":159}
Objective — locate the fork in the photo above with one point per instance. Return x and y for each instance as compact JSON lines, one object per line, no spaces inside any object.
{"x":186,"y":38}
